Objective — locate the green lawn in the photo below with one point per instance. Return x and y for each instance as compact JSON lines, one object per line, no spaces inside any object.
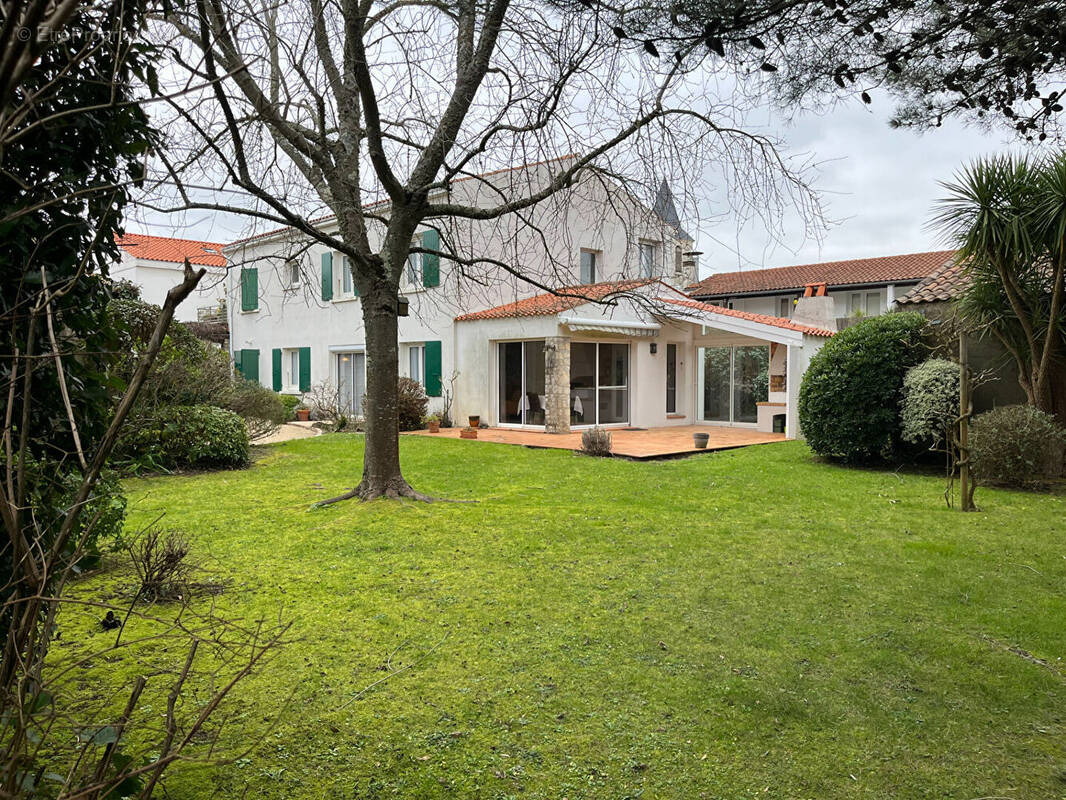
{"x":744,"y":624}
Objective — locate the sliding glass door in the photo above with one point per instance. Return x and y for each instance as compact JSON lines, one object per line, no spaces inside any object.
{"x":599,"y":383}
{"x":735,"y":381}
{"x":521,"y":379}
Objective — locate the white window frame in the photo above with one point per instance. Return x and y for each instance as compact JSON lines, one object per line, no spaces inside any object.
{"x":338,"y":354}
{"x":412,"y":269}
{"x":596,"y":386}
{"x":290,"y":370}
{"x":648,"y":259}
{"x":343,"y":276}
{"x":292,"y":273}
{"x":597,"y":259}
{"x":415,"y":350}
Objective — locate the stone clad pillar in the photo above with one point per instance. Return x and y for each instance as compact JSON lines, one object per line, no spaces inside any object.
{"x":557,"y":384}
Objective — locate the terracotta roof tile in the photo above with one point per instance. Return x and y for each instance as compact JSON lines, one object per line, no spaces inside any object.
{"x":163,"y":248}
{"x":944,"y":284}
{"x":545,"y":305}
{"x":885,"y":269}
{"x":566,"y":298}
{"x":765,"y":319}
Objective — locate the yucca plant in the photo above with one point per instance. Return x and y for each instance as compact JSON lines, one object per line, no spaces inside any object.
{"x":1007,"y":217}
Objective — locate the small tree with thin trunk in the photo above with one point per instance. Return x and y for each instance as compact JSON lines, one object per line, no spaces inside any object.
{"x":318,"y":107}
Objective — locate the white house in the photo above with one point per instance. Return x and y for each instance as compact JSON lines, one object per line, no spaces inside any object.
{"x":156,"y":264}
{"x":621,"y":346}
{"x":862,"y":286}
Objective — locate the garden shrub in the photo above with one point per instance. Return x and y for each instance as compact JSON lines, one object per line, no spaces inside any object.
{"x":289,"y":403}
{"x":411,"y":404}
{"x":596,"y":442}
{"x":261,"y":409}
{"x":1016,"y":446}
{"x":172,"y":437}
{"x":930,"y":401}
{"x":850,"y":397}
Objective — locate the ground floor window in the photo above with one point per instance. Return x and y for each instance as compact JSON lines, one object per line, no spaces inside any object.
{"x":522,"y":384}
{"x":351,"y":381}
{"x":599,"y":383}
{"x":734,"y":381}
{"x":416,"y":362}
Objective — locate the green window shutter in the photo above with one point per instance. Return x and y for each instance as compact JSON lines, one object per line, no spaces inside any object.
{"x":250,"y":364}
{"x":433,"y":369}
{"x":431,"y":261}
{"x":276,"y":358}
{"x":305,"y":369}
{"x":249,"y":289}
{"x":327,"y":276}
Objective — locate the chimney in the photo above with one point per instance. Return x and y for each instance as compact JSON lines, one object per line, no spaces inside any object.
{"x":816,"y":308}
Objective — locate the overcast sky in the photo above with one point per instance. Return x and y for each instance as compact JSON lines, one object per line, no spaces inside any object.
{"x":877,"y":185}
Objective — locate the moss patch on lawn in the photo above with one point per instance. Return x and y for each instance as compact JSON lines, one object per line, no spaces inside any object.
{"x":744,"y":624}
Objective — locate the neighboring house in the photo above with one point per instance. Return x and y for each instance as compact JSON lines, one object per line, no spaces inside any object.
{"x":858,"y":287}
{"x":995,"y":368}
{"x":156,"y":264}
{"x":512,"y":354}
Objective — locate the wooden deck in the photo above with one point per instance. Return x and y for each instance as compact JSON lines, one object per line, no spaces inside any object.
{"x":650,"y":443}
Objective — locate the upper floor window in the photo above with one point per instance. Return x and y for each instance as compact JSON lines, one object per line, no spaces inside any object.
{"x":292,"y":273}
{"x":865,"y":303}
{"x":784,"y":307}
{"x":648,"y":259}
{"x":590,"y":265}
{"x":679,"y":263}
{"x":412,"y":273}
{"x":345,"y":287}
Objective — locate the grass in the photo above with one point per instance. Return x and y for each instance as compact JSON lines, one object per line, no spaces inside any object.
{"x":745,"y":624}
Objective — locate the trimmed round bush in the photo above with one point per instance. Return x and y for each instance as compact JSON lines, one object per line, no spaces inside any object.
{"x":1016,"y":446}
{"x":172,"y":437}
{"x":850,"y":396}
{"x":930,"y":401}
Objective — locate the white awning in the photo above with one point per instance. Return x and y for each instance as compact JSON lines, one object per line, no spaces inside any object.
{"x":619,"y":327}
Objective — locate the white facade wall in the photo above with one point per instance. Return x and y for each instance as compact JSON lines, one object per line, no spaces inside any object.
{"x":543,"y":242}
{"x":156,"y":278}
{"x":883,"y":296}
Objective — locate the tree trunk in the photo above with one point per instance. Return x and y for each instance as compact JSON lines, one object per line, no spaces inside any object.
{"x":381,"y":460}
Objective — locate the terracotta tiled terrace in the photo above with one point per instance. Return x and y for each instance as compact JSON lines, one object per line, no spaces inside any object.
{"x":631,"y":443}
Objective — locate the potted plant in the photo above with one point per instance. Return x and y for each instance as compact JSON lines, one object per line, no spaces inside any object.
{"x":303,"y":413}
{"x":700,"y":440}
{"x":433,"y":423}
{"x":474,"y":420}
{"x":468,"y":433}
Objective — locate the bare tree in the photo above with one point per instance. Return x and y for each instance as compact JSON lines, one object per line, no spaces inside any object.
{"x":372,"y":112}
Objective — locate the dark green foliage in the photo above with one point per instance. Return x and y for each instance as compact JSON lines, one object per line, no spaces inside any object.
{"x":1016,"y":446}
{"x":984,"y":62}
{"x":262,"y":409}
{"x":411,"y":404}
{"x":930,"y":401}
{"x":190,"y":371}
{"x":289,"y":403}
{"x":177,"y":437}
{"x":850,"y":397}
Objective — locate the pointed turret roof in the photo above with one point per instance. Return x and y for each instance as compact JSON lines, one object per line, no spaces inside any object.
{"x":667,"y":211}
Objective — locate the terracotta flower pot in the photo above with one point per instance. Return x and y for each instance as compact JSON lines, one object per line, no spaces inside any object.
{"x":434,"y":426}
{"x":303,"y":414}
{"x":474,"y":420}
{"x":468,"y":433}
{"x":700,"y":440}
